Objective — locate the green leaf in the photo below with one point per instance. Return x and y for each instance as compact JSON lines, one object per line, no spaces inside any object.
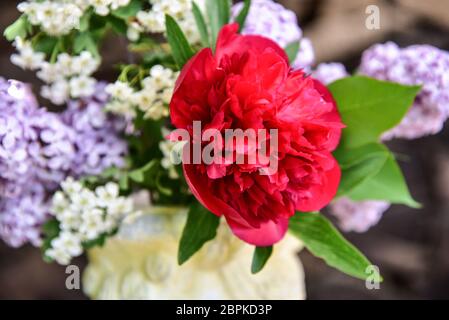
{"x":117,"y":24}
{"x":20,"y":28}
{"x":260,"y":258}
{"x":201,"y":226}
{"x":324,"y":241}
{"x":241,"y":17}
{"x":85,"y":21}
{"x":50,"y":230}
{"x":359,"y":164}
{"x":85,"y":41}
{"x":218,"y":12}
{"x":141,"y":175}
{"x":387,"y":185}
{"x":181,"y":50}
{"x":292,"y":50}
{"x":201,"y":25}
{"x":370,"y":107}
{"x":98,"y":242}
{"x":129,"y":10}
{"x":45,"y":44}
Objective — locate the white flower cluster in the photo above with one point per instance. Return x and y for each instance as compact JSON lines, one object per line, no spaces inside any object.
{"x":69,"y":76}
{"x":26,"y":58}
{"x":153,"y":99}
{"x":59,"y":17}
{"x":153,"y":21}
{"x":85,"y":215}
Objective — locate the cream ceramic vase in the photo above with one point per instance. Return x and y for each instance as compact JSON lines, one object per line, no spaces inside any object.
{"x":140,"y":262}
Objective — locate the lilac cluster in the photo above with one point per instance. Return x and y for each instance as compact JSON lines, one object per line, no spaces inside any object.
{"x":39,"y":149}
{"x":358,"y":216}
{"x":16,"y":106}
{"x":329,"y":72}
{"x":272,"y":20}
{"x":415,"y":65}
{"x":96,"y":141}
{"x":22,"y":216}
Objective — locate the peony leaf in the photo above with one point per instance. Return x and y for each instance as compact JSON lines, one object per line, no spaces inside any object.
{"x":201,"y":25}
{"x":218,"y":12}
{"x":181,"y":50}
{"x":201,"y":226}
{"x":241,"y":17}
{"x":20,"y":28}
{"x":130,"y":10}
{"x":387,"y":185}
{"x":359,"y":164}
{"x":260,"y":258}
{"x":324,"y":241}
{"x":370,"y":107}
{"x":292,"y":50}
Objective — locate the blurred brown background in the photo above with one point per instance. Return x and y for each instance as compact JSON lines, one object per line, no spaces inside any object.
{"x":411,"y":247}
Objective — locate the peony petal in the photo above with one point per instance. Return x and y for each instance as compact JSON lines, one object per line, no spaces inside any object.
{"x":230,"y":42}
{"x":322,"y":194}
{"x":269,"y":232}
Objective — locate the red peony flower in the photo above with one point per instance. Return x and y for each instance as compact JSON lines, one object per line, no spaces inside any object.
{"x":248,"y":84}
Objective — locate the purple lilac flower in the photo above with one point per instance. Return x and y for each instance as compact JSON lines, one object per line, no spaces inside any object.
{"x":39,"y":149}
{"x":358,"y":216}
{"x":272,"y":20}
{"x":415,"y":65}
{"x":97,"y":141}
{"x":329,"y":72}
{"x":51,"y":147}
{"x":16,"y":104}
{"x":21,"y":217}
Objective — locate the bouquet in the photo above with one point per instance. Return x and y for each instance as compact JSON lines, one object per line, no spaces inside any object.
{"x":219,"y":115}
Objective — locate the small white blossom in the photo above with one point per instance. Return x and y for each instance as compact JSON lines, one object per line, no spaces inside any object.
{"x":54,"y":17}
{"x":82,"y":86}
{"x":68,"y":242}
{"x":58,"y":92}
{"x":27,"y":58}
{"x":85,"y":64}
{"x":50,"y":72}
{"x":154,"y":20}
{"x":119,"y":90}
{"x":85,"y":215}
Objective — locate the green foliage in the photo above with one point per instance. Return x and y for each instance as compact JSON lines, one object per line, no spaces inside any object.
{"x":241,"y":17}
{"x":260,"y":258}
{"x":118,"y":25}
{"x":201,"y":226}
{"x":359,"y":165}
{"x":85,"y":41}
{"x":218,"y":12}
{"x":370,"y":107}
{"x":387,"y":185}
{"x":145,"y":174}
{"x":181,"y":49}
{"x":201,"y":25}
{"x":20,"y":28}
{"x":50,"y":230}
{"x":292,"y":50}
{"x":324,"y":241}
{"x":45,"y":44}
{"x":129,"y":10}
